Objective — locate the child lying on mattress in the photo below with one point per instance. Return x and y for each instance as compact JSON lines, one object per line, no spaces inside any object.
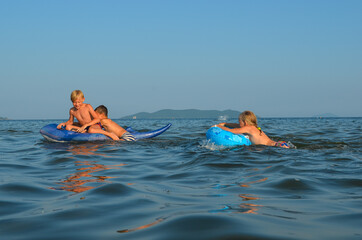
{"x":248,"y":125}
{"x":110,"y":126}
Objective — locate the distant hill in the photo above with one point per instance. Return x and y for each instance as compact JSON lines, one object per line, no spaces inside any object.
{"x":3,"y":118}
{"x":326,"y":115}
{"x":184,"y":114}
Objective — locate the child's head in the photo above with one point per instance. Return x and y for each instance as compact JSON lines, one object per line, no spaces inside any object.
{"x":249,"y":118}
{"x":76,"y":94}
{"x":102,"y":110}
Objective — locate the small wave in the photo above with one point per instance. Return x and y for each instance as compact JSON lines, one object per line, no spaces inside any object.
{"x":157,"y":188}
{"x":211,"y":146}
{"x":291,"y":145}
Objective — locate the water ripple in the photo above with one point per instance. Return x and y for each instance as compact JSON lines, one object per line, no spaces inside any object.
{"x":177,"y":186}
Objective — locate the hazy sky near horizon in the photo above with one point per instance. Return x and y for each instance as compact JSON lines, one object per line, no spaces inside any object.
{"x":277,"y":58}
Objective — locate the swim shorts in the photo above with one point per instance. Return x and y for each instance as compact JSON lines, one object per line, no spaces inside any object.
{"x":282,"y":144}
{"x":128,"y":137}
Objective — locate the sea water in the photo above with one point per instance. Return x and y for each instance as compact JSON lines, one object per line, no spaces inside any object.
{"x":178,"y":186}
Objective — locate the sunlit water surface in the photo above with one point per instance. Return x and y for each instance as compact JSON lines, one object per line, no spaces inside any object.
{"x":178,"y":186}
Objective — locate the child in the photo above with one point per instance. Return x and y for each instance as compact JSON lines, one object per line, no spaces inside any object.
{"x":110,"y":126}
{"x":248,"y":125}
{"x":85,"y":115}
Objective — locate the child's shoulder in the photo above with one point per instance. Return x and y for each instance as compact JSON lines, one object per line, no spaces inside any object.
{"x":88,"y":106}
{"x":106,"y":121}
{"x":251,"y":129}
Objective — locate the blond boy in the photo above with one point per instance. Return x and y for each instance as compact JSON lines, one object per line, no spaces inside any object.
{"x":84,"y":113}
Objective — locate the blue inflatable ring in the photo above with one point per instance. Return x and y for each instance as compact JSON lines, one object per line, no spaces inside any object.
{"x":221,"y":137}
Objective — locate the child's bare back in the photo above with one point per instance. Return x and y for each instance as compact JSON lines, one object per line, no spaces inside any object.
{"x":256,"y":136}
{"x":110,"y":126}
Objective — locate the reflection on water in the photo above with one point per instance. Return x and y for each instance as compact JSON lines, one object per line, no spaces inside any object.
{"x":142,"y":227}
{"x":247,"y":184}
{"x":85,"y":149}
{"x":85,"y":175}
{"x":83,"y":179}
{"x":249,"y":207}
{"x":246,"y":207}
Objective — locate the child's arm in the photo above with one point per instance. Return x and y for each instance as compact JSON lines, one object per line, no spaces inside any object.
{"x":233,"y":130}
{"x":108,"y":134}
{"x":94,"y":121}
{"x":69,"y":122}
{"x":230,"y":125}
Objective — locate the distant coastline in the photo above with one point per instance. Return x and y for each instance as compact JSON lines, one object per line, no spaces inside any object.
{"x":197,"y":114}
{"x":326,"y":115}
{"x":185,"y":114}
{"x":200,"y":114}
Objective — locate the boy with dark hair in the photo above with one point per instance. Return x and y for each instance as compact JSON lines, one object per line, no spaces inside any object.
{"x":110,"y":126}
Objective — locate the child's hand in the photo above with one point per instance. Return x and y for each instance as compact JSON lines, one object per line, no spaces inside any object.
{"x":60,"y":125}
{"x":81,"y":129}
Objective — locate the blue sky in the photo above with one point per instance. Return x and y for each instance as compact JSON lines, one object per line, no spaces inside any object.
{"x":277,"y":58}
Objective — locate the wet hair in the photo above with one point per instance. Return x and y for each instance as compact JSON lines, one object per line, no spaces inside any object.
{"x":76,"y":94}
{"x":250,"y":118}
{"x":101,"y":109}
